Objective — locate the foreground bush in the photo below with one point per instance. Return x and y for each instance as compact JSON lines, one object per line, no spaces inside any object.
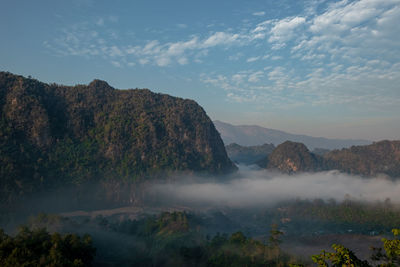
{"x":40,"y":248}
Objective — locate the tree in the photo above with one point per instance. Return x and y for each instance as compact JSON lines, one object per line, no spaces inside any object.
{"x":340,"y":258}
{"x":39,"y":248}
{"x":274,"y":236}
{"x":389,"y":256}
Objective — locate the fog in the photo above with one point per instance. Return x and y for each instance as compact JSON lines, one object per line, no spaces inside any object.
{"x":244,"y":201}
{"x":260,"y":187}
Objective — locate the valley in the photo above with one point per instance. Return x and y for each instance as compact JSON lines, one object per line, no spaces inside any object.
{"x":144,"y":179}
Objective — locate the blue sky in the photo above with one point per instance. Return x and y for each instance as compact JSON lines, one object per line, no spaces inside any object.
{"x":323,"y":68}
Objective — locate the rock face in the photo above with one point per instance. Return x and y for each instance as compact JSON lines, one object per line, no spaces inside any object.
{"x":53,"y":135}
{"x":292,"y":157}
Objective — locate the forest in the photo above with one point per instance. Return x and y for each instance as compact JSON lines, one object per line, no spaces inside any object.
{"x":168,"y":239}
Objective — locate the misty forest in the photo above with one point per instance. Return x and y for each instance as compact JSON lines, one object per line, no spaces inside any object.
{"x":200,"y":133}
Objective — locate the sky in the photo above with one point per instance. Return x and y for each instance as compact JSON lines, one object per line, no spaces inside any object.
{"x":316,"y":67}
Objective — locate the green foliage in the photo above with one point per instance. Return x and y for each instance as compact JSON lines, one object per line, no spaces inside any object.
{"x":174,"y":239}
{"x":274,"y":237}
{"x":53,"y":136}
{"x":370,"y":160}
{"x":335,"y":217}
{"x":388,"y":257}
{"x":39,"y":248}
{"x":292,"y":157}
{"x":168,"y":239}
{"x":341,"y":257}
{"x":380,"y":157}
{"x":239,"y":250}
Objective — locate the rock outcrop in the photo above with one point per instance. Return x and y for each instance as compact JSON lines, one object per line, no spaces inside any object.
{"x":53,"y":135}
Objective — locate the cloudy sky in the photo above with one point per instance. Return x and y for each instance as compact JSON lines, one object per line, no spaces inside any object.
{"x":323,"y":68}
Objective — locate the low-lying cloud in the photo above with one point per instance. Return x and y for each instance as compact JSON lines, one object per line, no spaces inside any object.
{"x":260,"y":187}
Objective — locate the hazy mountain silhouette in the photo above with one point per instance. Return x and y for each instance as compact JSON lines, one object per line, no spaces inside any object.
{"x":378,"y":158}
{"x":252,"y":135}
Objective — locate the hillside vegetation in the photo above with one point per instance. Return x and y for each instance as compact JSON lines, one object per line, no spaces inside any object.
{"x":53,"y":136}
{"x":378,"y":158}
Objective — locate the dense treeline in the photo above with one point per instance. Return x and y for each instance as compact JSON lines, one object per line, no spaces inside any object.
{"x":380,"y":157}
{"x":303,"y":217}
{"x":388,"y":256}
{"x":53,"y":135}
{"x":169,"y":239}
{"x":40,"y":248}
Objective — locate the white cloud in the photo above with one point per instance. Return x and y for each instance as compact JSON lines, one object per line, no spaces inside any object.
{"x":248,"y":97}
{"x":116,"y":64}
{"x":260,"y":13}
{"x":100,"y":22}
{"x":166,"y":54}
{"x":238,"y":82}
{"x":346,"y":52}
{"x":113,"y":18}
{"x":276,"y":57}
{"x":284,"y":30}
{"x":150,"y":48}
{"x":346,"y":15}
{"x":183,"y":61}
{"x":220,"y":81}
{"x":115,"y":52}
{"x":220,"y":38}
{"x":255,"y":77}
{"x":252,"y":59}
{"x":276,"y":74}
{"x":235,"y":57}
{"x":263,"y":26}
{"x":355,"y":32}
{"x":162,"y":61}
{"x":181,"y":26}
{"x":144,"y":61}
{"x":179,"y":48}
{"x":238,"y":78}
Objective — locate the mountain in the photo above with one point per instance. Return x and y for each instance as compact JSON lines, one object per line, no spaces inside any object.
{"x":53,"y":136}
{"x":378,"y":158}
{"x":252,"y":135}
{"x":248,"y":154}
{"x":292,"y":157}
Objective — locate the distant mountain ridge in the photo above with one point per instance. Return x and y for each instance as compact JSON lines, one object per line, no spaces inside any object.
{"x":53,"y":136}
{"x":378,"y":158}
{"x":253,"y":135}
